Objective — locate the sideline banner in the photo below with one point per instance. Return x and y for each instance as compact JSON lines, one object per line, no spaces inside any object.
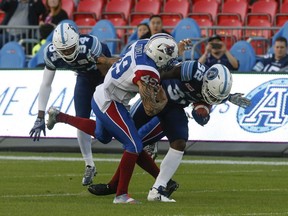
{"x":264,"y":121}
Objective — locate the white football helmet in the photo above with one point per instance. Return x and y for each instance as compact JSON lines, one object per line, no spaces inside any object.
{"x":66,"y":41}
{"x":162,"y":49}
{"x":217,"y":84}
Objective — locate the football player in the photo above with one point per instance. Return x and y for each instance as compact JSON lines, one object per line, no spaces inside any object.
{"x":79,"y":53}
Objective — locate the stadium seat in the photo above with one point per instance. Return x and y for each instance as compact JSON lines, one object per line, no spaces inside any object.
{"x":187,"y":28}
{"x":244,"y":52}
{"x":117,"y":9}
{"x":260,"y":38}
{"x":12,"y":55}
{"x":92,"y":8}
{"x":2,"y":15}
{"x":204,"y":8}
{"x":237,"y":8}
{"x":85,"y":21}
{"x":230,"y":22}
{"x":169,"y":22}
{"x":176,"y":7}
{"x":262,"y":10}
{"x":144,"y":9}
{"x":282,"y":16}
{"x":69,"y":7}
{"x":106,"y":32}
{"x":119,"y":22}
{"x":204,"y":22}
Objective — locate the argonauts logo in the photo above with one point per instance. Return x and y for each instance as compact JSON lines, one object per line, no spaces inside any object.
{"x":268,"y":110}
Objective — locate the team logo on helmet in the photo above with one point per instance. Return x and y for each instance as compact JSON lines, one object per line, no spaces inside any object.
{"x":268,"y":110}
{"x":166,"y":49}
{"x":212,"y":73}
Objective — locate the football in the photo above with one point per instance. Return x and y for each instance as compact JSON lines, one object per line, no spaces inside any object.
{"x":202,"y":109}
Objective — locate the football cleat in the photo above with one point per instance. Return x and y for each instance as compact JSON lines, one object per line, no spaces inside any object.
{"x":124,"y":199}
{"x":89,"y":174}
{"x":52,"y":112}
{"x":171,"y":187}
{"x":101,"y":189}
{"x":159,"y":195}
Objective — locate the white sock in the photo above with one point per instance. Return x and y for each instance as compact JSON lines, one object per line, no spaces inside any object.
{"x":168,"y":167}
{"x":84,"y":141}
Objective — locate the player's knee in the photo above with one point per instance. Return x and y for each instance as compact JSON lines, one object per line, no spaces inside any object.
{"x":179,"y":145}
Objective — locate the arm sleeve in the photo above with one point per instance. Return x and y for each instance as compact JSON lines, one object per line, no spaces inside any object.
{"x":187,"y":70}
{"x":45,"y":88}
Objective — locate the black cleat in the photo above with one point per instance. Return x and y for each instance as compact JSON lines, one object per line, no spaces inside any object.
{"x":101,"y":189}
{"x":171,"y":187}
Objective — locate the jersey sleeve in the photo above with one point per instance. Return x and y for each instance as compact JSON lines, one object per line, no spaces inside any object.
{"x":96,"y":47}
{"x":146,"y":76}
{"x":187,"y":69}
{"x":105,"y":50}
{"x":47,"y":55}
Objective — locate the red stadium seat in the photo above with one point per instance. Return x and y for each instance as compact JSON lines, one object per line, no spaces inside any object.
{"x":203,"y":22}
{"x":205,"y":8}
{"x":169,"y":20}
{"x":2,"y":15}
{"x":230,"y":35}
{"x":117,"y":9}
{"x":69,"y":7}
{"x":85,"y":21}
{"x":230,"y":22}
{"x":263,"y":10}
{"x":144,"y":9}
{"x":259,"y":37}
{"x":177,"y":7}
{"x":239,"y":8}
{"x":93,"y":7}
{"x":282,"y":16}
{"x":119,"y":22}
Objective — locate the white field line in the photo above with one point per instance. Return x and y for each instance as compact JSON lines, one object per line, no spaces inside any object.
{"x":228,"y":162}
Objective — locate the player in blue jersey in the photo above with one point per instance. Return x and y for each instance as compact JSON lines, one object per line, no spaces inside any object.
{"x":79,"y":53}
{"x":276,"y":62}
{"x":194,"y":83}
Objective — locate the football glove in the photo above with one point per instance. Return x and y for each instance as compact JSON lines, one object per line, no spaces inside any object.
{"x":238,"y":100}
{"x":200,"y":119}
{"x":39,"y":126}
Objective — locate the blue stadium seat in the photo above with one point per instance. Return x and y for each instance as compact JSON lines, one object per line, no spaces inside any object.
{"x":187,"y":28}
{"x":245,"y":53}
{"x":12,"y":55}
{"x":106,"y":32}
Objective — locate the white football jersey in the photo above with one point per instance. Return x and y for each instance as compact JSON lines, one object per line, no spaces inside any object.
{"x":120,"y":81}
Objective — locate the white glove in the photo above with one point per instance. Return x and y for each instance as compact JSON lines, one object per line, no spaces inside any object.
{"x":238,"y":100}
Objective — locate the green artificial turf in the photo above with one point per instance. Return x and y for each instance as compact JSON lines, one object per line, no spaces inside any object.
{"x":208,"y":187}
